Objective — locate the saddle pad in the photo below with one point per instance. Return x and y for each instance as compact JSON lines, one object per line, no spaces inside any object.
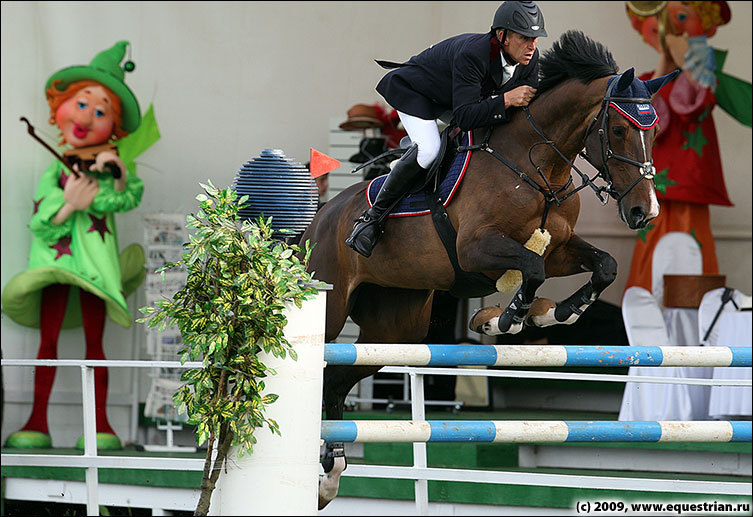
{"x":415,"y":204}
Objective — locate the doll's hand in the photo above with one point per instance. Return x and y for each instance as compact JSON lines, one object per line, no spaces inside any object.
{"x":677,"y":47}
{"x":79,"y":191}
{"x":78,"y":194}
{"x":107,"y":160}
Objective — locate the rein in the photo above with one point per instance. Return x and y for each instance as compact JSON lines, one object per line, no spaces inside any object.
{"x":552,"y":196}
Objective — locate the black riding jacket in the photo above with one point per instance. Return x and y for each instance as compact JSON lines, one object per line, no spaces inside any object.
{"x":462,"y":74}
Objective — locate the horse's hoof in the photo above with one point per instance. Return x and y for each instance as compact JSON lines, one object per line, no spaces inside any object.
{"x":508,"y":328}
{"x":329,"y":482}
{"x":541,"y":313}
{"x":481,"y":319}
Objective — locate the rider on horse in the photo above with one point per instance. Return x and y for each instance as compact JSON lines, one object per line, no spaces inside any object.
{"x":472,"y":78}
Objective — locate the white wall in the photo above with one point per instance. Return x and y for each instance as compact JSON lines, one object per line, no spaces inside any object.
{"x":229,"y":79}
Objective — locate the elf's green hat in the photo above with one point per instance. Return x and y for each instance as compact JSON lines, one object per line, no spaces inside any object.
{"x":105,"y":69}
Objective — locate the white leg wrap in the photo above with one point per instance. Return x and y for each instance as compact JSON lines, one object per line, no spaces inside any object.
{"x":491,"y":328}
{"x":545,"y":320}
{"x":548,"y":319}
{"x":330,"y":482}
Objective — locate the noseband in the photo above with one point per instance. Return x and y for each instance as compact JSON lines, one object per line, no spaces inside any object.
{"x":647,"y":169}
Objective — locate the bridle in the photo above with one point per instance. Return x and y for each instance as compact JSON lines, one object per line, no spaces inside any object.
{"x":647,"y":168}
{"x":552,"y":196}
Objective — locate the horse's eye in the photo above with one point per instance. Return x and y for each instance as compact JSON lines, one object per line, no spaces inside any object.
{"x":619,"y":131}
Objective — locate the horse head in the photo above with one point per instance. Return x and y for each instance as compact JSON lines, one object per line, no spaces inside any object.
{"x":621,"y":146}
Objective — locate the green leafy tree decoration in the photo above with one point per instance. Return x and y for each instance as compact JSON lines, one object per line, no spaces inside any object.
{"x":230,"y":310}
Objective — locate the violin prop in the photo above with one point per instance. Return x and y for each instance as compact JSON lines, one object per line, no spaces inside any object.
{"x":84,"y":157}
{"x":658,"y":9}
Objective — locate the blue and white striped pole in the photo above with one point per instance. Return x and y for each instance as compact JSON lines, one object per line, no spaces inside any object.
{"x":534,"y":356}
{"x":532,"y":431}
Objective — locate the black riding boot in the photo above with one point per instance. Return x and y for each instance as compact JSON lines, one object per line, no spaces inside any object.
{"x":369,"y":227}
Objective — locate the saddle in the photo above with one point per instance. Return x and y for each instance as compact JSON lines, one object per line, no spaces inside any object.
{"x":431,"y":195}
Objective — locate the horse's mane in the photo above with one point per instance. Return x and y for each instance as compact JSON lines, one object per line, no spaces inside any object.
{"x":574,"y":56}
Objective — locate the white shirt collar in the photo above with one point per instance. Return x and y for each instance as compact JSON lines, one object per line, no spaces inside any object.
{"x":507,"y":70}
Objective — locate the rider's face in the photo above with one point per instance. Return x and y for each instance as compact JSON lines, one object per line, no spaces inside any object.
{"x":519,"y":47}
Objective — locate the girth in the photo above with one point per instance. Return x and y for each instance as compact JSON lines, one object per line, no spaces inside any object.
{"x":466,"y":284}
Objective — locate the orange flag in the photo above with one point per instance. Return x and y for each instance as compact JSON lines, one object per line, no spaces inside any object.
{"x":320,"y":163}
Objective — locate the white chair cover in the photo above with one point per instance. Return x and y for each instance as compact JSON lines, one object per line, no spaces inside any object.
{"x":731,"y":329}
{"x":645,"y":326}
{"x":676,"y":253}
{"x":710,"y":304}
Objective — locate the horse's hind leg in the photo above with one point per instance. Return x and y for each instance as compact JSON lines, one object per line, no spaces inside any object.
{"x":385,"y":315}
{"x":575,"y":257}
{"x":391,"y":314}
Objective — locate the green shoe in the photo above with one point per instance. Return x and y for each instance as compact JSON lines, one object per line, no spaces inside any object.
{"x":105,"y":442}
{"x":29,"y":440}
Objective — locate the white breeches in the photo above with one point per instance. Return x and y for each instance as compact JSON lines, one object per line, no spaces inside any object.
{"x":425,"y":133}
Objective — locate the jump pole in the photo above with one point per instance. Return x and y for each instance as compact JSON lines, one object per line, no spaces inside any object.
{"x":534,"y":356}
{"x":532,"y":431}
{"x":281,"y":476}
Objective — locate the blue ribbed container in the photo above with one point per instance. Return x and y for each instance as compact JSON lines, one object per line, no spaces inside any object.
{"x":280,"y":188}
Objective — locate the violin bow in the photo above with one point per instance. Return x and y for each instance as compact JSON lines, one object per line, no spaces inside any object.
{"x":46,"y":146}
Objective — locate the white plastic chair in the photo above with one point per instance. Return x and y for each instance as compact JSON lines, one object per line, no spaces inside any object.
{"x":725,"y":402}
{"x":645,"y":326}
{"x":644,"y":323}
{"x":676,"y":253}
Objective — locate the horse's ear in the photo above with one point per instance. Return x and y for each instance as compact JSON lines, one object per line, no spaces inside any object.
{"x":654,"y":85}
{"x":625,"y":80}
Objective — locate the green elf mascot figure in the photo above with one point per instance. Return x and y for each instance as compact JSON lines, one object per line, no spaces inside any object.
{"x":76,"y":277}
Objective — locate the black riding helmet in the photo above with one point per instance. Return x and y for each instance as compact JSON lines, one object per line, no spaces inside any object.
{"x":522,"y":17}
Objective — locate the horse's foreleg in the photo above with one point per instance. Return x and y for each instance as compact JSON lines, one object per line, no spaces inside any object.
{"x":497,"y":254}
{"x":384,"y":315}
{"x":338,"y":381}
{"x":575,"y":257}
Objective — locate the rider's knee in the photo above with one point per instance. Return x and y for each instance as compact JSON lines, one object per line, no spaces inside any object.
{"x":428,"y":150}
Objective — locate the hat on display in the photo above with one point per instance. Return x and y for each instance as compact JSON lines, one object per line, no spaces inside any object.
{"x":105,"y":69}
{"x":369,"y":148}
{"x":361,"y":116}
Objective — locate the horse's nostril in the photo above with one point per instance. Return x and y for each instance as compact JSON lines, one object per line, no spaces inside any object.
{"x":637,"y":215}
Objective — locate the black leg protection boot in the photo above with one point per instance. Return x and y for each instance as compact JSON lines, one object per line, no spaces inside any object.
{"x":369,"y":227}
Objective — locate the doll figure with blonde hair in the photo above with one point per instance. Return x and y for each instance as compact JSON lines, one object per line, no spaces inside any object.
{"x":686,"y":151}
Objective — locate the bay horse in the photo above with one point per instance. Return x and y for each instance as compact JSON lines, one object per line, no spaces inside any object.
{"x":516,"y":185}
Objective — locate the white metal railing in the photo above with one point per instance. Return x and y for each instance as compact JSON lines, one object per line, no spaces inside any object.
{"x":419,"y":472}
{"x":90,"y":460}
